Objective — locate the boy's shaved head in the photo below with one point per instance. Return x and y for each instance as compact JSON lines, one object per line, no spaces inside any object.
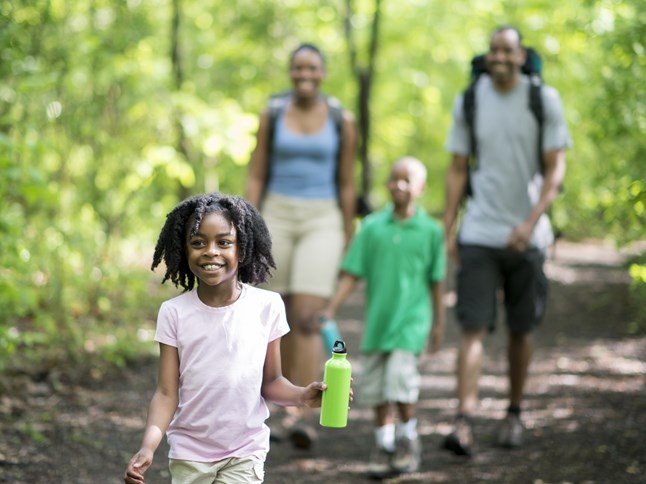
{"x":414,"y":165}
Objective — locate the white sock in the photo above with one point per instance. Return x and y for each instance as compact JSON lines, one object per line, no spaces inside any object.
{"x":385,"y":437}
{"x":407,"y":429}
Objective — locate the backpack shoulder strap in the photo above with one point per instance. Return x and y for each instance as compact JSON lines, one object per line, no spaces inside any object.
{"x":275,"y":106}
{"x":469,"y":111}
{"x":335,"y":109}
{"x":478,"y":67}
{"x":536,"y":107}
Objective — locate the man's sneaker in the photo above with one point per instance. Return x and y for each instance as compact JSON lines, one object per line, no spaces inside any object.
{"x":460,"y":440}
{"x":408,"y":455}
{"x":381,"y":463}
{"x":510,"y":434}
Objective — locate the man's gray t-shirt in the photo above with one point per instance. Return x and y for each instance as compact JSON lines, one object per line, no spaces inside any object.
{"x":507,"y":182}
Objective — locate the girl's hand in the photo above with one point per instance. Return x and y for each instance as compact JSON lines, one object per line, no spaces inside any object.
{"x":312,"y":394}
{"x":139,"y":464}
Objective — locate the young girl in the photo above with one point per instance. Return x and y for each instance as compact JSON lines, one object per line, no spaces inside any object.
{"x":219,"y":346}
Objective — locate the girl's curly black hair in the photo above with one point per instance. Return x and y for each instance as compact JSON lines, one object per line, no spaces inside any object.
{"x":254,"y":242}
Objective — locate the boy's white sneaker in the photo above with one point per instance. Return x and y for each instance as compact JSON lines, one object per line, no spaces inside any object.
{"x":408,"y":455}
{"x":381,"y":463}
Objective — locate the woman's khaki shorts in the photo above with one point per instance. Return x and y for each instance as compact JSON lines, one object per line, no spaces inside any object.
{"x":307,"y":244}
{"x":387,"y":378}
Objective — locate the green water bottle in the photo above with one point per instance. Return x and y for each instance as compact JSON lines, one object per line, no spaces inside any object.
{"x":336,"y":398}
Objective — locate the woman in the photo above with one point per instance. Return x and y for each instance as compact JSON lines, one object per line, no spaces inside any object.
{"x":301,"y":176}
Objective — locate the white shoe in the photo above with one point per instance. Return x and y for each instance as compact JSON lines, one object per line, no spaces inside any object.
{"x":381,"y":463}
{"x":408,"y":455}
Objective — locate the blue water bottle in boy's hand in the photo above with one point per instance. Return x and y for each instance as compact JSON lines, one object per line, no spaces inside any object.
{"x":330,"y":333}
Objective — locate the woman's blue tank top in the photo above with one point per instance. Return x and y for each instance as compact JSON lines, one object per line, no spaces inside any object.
{"x":304,"y":165}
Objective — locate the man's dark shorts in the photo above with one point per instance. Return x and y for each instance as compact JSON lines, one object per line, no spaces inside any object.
{"x":483,"y":270}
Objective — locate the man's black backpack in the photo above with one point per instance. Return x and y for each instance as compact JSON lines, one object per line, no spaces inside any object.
{"x":533,"y":68}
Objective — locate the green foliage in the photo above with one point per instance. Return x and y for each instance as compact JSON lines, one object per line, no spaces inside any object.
{"x":637,"y":270}
{"x":93,"y":157}
{"x":621,"y":187}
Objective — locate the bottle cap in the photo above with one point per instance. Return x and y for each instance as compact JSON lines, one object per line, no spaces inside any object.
{"x":339,"y":347}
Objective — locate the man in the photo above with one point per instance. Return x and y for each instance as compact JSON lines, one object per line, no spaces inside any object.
{"x":504,"y":231}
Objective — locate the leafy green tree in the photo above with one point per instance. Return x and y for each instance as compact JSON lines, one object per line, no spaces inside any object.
{"x":112,"y":110}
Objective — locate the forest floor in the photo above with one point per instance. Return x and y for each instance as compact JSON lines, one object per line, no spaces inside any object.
{"x":585,"y":410}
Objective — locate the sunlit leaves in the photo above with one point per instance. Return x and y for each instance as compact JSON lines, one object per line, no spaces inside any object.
{"x":89,"y":117}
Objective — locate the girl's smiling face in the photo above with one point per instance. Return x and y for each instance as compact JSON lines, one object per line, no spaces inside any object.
{"x":212,"y":252}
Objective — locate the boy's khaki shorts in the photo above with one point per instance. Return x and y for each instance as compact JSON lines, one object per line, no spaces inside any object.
{"x":388,"y":377}
{"x":307,"y":244}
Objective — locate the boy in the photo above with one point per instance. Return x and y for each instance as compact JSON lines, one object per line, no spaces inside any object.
{"x":399,"y":252}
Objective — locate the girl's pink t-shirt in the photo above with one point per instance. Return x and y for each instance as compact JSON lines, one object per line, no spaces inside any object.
{"x":221,"y":413}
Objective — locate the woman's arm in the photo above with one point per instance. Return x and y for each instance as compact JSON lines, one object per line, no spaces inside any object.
{"x":347,"y":188}
{"x":259,"y":163}
{"x":278,"y":389}
{"x":160,"y":413}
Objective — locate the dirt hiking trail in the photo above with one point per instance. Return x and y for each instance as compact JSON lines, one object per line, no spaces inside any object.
{"x":585,"y":407}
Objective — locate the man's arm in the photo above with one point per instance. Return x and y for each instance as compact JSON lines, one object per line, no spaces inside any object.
{"x":553,"y":177}
{"x":456,"y":183}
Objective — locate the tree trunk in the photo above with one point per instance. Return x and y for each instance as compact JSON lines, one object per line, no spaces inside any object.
{"x":365,"y":77}
{"x":183,"y":143}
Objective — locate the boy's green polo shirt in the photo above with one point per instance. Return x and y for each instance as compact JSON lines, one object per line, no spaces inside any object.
{"x":399,"y":261}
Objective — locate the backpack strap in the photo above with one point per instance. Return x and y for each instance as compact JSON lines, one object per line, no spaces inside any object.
{"x":276,"y":105}
{"x":469,"y":111}
{"x":478,"y":67}
{"x":536,"y":107}
{"x":335,"y":111}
